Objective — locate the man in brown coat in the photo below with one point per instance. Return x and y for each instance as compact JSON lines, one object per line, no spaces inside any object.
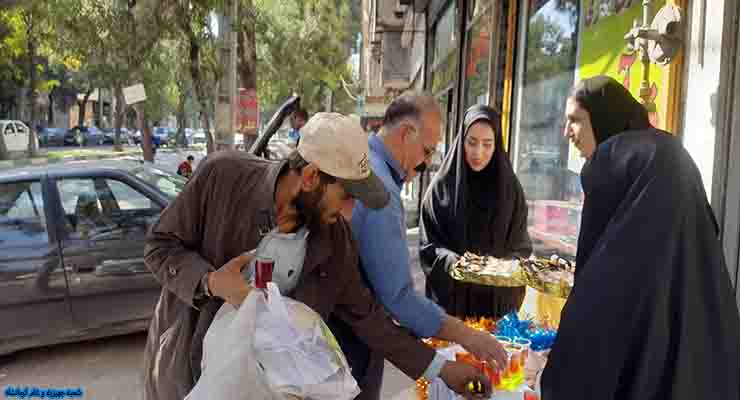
{"x":202,"y":240}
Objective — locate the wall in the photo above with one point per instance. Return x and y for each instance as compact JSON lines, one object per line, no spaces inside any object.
{"x":703,"y":53}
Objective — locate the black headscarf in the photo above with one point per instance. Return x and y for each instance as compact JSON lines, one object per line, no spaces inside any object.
{"x":459,"y":195}
{"x":496,"y":191}
{"x":612,"y":108}
{"x":652,"y":314}
{"x":460,"y":200}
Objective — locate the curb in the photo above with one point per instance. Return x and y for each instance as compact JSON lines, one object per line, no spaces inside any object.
{"x":26,"y":162}
{"x":51,"y":159}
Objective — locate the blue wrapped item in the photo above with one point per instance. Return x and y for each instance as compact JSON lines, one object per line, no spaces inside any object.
{"x":511,"y":326}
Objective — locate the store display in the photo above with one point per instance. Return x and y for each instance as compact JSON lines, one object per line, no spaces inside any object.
{"x":511,"y":326}
{"x":522,"y":339}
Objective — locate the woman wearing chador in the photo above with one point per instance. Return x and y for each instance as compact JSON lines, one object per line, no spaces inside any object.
{"x":652,"y":314}
{"x":475,"y":203}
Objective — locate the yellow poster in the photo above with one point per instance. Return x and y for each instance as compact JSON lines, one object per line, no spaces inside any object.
{"x":603,"y":50}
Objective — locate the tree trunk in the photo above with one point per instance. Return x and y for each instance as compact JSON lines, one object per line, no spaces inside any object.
{"x":181,"y":140}
{"x":146,"y":135}
{"x":99,"y":110}
{"x":33,"y":148}
{"x":118,"y":117}
{"x":247,"y":48}
{"x":50,"y":116}
{"x":198,"y":84}
{"x":83,"y":108}
{"x":206,"y":123}
{"x":21,"y":104}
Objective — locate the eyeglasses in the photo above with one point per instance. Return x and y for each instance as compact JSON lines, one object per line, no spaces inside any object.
{"x":428,"y":151}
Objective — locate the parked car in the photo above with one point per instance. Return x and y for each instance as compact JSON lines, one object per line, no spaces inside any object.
{"x":199,"y":137}
{"x":161,"y":135}
{"x":14,"y":135}
{"x":136,"y":137}
{"x":84,"y":136}
{"x":110,"y":136}
{"x":72,"y":250}
{"x":51,"y":137}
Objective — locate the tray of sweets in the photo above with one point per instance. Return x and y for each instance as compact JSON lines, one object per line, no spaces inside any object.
{"x":488,"y":271}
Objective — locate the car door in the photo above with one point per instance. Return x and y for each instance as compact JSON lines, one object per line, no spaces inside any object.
{"x":34,"y":307}
{"x":107,"y":218}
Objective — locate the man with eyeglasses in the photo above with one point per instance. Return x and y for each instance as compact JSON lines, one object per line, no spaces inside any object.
{"x":402,"y":149}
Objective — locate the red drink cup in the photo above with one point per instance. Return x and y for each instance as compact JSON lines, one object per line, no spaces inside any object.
{"x":263,"y":272}
{"x":529,"y":395}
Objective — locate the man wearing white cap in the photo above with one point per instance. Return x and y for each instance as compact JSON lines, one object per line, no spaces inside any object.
{"x":203,"y":240}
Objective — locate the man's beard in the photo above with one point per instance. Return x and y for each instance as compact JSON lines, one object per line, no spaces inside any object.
{"x":308,"y":205}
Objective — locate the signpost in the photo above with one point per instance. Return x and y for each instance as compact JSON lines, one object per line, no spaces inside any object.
{"x":134,"y":94}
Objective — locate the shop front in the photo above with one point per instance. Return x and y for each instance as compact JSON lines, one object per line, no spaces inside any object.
{"x":523,"y":57}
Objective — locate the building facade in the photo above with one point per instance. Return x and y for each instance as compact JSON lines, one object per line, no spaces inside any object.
{"x":521,"y":57}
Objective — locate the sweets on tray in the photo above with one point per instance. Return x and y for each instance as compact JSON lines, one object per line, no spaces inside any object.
{"x":487,"y":270}
{"x":552,"y":275}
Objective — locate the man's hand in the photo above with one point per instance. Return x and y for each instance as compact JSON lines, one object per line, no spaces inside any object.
{"x":485,"y":347}
{"x":482,"y":345}
{"x":458,"y":375}
{"x":228,"y":282}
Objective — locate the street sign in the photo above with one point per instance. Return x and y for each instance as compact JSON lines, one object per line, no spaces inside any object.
{"x":134,"y":94}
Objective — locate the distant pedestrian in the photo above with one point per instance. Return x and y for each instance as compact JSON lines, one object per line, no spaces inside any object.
{"x":299,"y":118}
{"x":186,"y":167}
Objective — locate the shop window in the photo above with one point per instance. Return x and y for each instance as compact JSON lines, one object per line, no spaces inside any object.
{"x":478,"y":56}
{"x":445,"y":59}
{"x":541,"y":153}
{"x":446,"y":50}
{"x":562,"y":41}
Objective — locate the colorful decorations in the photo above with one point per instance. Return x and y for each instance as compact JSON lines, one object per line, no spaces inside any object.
{"x":511,"y":326}
{"x":481,"y":324}
{"x":518,"y":336}
{"x":422,"y":386}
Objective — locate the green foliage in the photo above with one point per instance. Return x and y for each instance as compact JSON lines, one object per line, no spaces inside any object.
{"x":27,"y":23}
{"x":302,"y":47}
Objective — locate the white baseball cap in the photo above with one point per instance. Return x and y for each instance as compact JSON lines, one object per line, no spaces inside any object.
{"x":337,"y":145}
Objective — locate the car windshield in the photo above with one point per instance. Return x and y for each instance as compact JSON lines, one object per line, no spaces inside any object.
{"x":169,"y":184}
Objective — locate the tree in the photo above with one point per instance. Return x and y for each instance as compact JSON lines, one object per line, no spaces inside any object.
{"x":114,"y":40}
{"x":26,"y":43}
{"x":192,"y":17}
{"x":306,"y":40}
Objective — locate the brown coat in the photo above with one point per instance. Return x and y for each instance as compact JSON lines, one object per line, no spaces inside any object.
{"x":218,"y":216}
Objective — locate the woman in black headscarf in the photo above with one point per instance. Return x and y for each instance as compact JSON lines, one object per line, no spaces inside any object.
{"x":475,"y":203}
{"x":652,"y":314}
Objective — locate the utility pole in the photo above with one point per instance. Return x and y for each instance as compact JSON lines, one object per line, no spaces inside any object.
{"x":226,"y":101}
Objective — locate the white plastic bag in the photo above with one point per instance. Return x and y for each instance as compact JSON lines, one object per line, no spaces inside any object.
{"x":270,"y":348}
